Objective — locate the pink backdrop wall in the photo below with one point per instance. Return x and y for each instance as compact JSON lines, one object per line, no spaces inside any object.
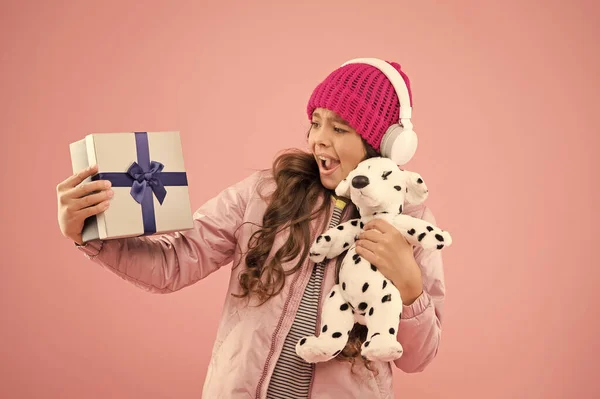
{"x":505,"y":94}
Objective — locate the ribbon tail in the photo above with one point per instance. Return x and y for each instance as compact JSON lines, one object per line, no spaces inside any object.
{"x":137,"y":191}
{"x":159,"y":190}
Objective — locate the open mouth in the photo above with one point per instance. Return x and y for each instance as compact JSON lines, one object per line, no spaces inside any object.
{"x":328,"y":164}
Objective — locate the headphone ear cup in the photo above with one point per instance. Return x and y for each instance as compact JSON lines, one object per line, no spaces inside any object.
{"x":399,"y":144}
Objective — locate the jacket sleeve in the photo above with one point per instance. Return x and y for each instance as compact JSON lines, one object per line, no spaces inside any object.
{"x":420,"y":327}
{"x":168,"y":262}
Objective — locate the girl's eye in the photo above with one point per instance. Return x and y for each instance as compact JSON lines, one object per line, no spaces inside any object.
{"x":337,"y":129}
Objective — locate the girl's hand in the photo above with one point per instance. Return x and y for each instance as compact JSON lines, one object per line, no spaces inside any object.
{"x":75,"y":205}
{"x":387,"y":249}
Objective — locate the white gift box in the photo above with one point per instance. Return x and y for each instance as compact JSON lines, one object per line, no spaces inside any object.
{"x":148,"y":178}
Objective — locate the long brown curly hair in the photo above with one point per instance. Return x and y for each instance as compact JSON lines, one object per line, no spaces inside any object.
{"x":291,"y":206}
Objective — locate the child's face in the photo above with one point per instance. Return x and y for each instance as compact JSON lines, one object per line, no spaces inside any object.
{"x":333,"y":138}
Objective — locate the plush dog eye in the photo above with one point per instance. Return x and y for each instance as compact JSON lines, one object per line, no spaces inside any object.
{"x":386,"y":174}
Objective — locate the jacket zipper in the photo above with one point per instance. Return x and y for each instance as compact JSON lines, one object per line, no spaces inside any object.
{"x":274,"y":336}
{"x":318,"y":324}
{"x":280,"y":322}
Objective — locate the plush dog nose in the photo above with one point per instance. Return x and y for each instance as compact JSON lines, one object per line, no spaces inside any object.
{"x":360,"y":181}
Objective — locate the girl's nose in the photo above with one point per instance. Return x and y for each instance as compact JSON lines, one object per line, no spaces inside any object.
{"x":322,"y":135}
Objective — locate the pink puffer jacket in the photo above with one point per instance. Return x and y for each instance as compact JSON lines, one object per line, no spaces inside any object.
{"x":241,"y":364}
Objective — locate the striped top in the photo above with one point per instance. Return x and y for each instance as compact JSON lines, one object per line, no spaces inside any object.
{"x":292,"y":375}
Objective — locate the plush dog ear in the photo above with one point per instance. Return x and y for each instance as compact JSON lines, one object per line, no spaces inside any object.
{"x":343,"y":189}
{"x":416,"y":189}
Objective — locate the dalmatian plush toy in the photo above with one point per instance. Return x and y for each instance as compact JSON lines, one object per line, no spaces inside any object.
{"x":379,"y":189}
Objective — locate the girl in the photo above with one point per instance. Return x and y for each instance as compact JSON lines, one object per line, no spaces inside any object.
{"x":265,"y":224}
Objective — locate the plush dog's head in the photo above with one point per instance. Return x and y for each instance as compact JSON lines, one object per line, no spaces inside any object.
{"x":378,"y":184}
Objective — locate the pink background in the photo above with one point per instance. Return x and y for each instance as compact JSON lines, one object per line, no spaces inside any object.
{"x":505,"y":95}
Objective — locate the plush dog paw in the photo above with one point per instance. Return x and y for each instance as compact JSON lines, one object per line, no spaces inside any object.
{"x":431,"y":237}
{"x":446,"y":239}
{"x":320,"y":248}
{"x":315,"y":350}
{"x":381,"y":348}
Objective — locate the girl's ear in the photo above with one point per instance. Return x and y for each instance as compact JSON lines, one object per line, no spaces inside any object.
{"x":343,"y":189}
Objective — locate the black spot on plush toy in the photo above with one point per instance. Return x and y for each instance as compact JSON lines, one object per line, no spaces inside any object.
{"x":379,"y":189}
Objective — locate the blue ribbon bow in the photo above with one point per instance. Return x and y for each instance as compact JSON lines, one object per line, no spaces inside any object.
{"x":144,"y":180}
{"x":145,"y":177}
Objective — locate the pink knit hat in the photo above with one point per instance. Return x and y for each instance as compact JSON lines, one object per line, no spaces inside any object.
{"x":363,"y":96}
